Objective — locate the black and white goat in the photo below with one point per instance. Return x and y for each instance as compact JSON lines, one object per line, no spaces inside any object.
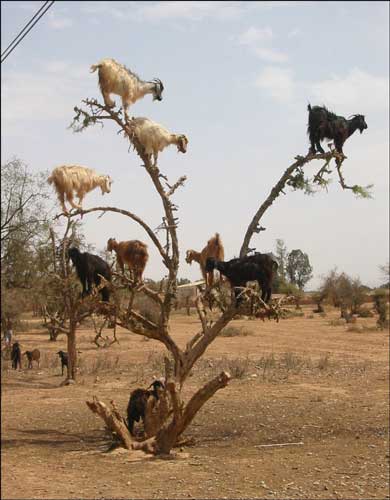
{"x":136,"y":407}
{"x":323,"y":124}
{"x":258,"y":267}
{"x":89,"y":270}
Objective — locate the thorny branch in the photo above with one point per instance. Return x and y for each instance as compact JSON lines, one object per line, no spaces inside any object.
{"x":294,"y":176}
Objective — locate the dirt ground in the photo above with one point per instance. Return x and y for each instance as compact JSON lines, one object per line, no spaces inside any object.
{"x":318,"y":389}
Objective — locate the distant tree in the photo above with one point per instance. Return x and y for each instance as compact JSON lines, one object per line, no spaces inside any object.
{"x":344,"y":292}
{"x":24,"y":221}
{"x":281,"y":254}
{"x":24,"y":214}
{"x":381,"y":298}
{"x":298,"y":268}
{"x":385,"y":272}
{"x":183,"y":281}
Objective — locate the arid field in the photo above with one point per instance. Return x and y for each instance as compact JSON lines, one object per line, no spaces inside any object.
{"x":311,"y":384}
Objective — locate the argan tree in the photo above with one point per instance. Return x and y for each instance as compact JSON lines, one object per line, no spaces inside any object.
{"x":179,"y":361}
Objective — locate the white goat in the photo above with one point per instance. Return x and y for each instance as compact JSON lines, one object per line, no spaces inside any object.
{"x":82,"y":180}
{"x":114,"y":78}
{"x":154,"y":137}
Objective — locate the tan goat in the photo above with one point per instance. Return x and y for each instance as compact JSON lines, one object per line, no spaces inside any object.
{"x":134,"y":253}
{"x":115,"y":78}
{"x":214,"y":248}
{"x":75,"y":178}
{"x":155,"y":138}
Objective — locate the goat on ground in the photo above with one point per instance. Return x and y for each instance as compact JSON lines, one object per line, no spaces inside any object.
{"x":115,"y":78}
{"x":64,"y":360}
{"x":89,"y":270}
{"x":214,"y":249}
{"x":137,"y":403}
{"x":258,"y":267}
{"x":34,"y":355}
{"x":154,"y":137}
{"x":16,"y":356}
{"x":134,"y":253}
{"x":323,"y":124}
{"x":68,"y":179}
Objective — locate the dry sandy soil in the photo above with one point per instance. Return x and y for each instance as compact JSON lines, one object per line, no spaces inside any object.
{"x":320,"y":389}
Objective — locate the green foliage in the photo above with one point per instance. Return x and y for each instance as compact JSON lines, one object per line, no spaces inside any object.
{"x":363,"y":192}
{"x":300,"y":182}
{"x":281,"y":257}
{"x":24,"y":222}
{"x":298,"y":268}
{"x":381,"y":298}
{"x":343,"y":291}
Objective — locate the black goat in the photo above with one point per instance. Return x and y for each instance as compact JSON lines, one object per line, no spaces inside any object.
{"x":34,"y":355}
{"x":137,"y":403}
{"x":88,"y":268}
{"x":259,"y":267}
{"x":16,"y":356}
{"x":64,"y":360}
{"x":323,"y":124}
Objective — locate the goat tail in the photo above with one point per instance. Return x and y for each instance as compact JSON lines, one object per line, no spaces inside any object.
{"x":94,"y":67}
{"x":50,"y":180}
{"x":309,"y":108}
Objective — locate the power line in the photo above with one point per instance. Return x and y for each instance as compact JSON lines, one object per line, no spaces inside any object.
{"x":30,"y":21}
{"x":4,"y":57}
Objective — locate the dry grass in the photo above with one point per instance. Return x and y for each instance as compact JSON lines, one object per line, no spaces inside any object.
{"x":234,"y":331}
{"x":337,"y":322}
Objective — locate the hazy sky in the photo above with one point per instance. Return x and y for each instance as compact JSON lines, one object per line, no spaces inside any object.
{"x":238,"y":77}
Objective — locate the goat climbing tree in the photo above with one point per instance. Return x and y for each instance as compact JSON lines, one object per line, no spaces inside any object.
{"x":179,"y":362}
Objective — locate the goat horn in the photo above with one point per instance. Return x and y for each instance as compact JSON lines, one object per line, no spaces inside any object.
{"x":157,"y":80}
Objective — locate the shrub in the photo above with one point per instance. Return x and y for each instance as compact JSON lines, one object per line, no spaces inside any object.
{"x":365,"y":313}
{"x":233,"y":331}
{"x":323,"y":362}
{"x":337,"y":322}
{"x":238,"y":367}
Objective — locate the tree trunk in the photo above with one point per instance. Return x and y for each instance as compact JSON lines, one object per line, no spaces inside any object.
{"x":72,"y":351}
{"x":169,"y":434}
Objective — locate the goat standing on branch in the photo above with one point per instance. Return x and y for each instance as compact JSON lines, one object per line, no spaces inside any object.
{"x":134,"y":253}
{"x":259,"y":267}
{"x":115,"y":78}
{"x":323,"y":124}
{"x":213,"y":249}
{"x":89,"y":270}
{"x":154,"y":137}
{"x":75,"y":178}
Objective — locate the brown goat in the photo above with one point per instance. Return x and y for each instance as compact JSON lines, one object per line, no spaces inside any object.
{"x":214,"y":249}
{"x":34,"y":355}
{"x":134,"y":253}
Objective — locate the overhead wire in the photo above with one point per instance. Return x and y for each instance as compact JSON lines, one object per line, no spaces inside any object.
{"x":21,"y":31}
{"x":15,"y":42}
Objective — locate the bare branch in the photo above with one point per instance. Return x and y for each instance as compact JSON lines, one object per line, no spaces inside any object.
{"x":132,"y":216}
